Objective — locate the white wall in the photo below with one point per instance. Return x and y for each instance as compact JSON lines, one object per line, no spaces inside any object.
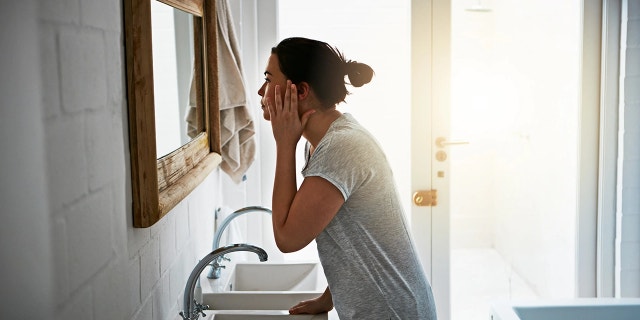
{"x":628,"y":223}
{"x":25,"y":251}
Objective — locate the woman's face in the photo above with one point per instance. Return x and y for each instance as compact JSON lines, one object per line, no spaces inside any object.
{"x":272,"y":77}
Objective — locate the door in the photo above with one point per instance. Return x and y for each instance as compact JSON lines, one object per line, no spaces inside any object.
{"x":430,"y":74}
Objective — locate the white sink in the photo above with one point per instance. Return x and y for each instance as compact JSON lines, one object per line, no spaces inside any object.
{"x":264,"y":286}
{"x":260,"y":315}
{"x":276,"y":277}
{"x":251,"y":300}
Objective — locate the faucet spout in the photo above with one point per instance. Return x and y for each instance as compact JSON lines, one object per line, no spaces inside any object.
{"x":216,"y":268}
{"x":191,"y":308}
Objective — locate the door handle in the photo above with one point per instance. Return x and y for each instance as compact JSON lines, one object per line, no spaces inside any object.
{"x":442,"y":142}
{"x":425,"y":198}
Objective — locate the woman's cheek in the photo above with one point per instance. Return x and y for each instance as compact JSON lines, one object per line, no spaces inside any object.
{"x":268,"y":96}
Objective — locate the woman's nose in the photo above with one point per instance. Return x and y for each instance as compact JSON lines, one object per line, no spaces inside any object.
{"x":261,"y":90}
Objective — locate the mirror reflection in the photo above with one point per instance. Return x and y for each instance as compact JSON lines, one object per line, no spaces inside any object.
{"x":177,"y":113}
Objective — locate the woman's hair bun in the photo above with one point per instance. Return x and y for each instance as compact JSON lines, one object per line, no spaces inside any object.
{"x":359,"y":73}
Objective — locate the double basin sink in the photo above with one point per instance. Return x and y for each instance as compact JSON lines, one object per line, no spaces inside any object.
{"x":262,"y":290}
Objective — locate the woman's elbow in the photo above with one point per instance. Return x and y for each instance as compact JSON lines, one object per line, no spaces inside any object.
{"x":285,"y":249}
{"x":288,"y":246}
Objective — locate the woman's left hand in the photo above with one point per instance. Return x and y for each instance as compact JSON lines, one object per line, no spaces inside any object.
{"x":287,"y":126}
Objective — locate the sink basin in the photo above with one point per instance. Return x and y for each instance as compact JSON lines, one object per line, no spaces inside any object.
{"x":259,"y":315}
{"x":264,"y":286}
{"x":266,"y":300}
{"x":267,"y":317}
{"x":276,"y":277}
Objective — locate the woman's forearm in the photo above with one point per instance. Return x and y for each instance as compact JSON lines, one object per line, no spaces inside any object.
{"x":284,"y":189}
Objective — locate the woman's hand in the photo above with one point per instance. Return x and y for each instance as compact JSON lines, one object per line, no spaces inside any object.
{"x":321,"y":304}
{"x":287,"y":126}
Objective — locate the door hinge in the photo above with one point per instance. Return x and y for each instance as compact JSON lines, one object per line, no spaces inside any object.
{"x":425,"y":198}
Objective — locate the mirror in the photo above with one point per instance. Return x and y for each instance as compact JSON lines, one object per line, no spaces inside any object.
{"x":158,"y":184}
{"x":177,"y":113}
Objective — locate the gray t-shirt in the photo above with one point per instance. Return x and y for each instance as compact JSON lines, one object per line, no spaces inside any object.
{"x":366,"y":250}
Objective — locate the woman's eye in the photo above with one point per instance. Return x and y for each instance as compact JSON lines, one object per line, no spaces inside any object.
{"x":266,"y":80}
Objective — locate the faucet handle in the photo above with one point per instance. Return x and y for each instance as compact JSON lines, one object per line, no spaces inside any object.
{"x":200,"y":308}
{"x":225,"y":258}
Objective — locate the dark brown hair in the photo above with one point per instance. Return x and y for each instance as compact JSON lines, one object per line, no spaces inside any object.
{"x":322,"y":66}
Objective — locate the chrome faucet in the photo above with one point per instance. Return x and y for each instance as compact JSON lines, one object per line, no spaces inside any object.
{"x":216,"y":267}
{"x":191,"y":308}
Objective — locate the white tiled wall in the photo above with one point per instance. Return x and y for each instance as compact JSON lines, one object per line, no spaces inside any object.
{"x":629,"y":204}
{"x":103,"y":267}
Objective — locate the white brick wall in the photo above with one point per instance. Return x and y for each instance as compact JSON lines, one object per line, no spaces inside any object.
{"x":25,"y":254}
{"x":629,"y":210}
{"x":103,"y":267}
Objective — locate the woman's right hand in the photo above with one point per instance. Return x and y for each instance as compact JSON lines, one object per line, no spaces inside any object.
{"x":321,"y":304}
{"x":286,"y":124}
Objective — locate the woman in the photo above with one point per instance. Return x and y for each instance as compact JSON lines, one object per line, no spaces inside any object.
{"x":347,"y":201}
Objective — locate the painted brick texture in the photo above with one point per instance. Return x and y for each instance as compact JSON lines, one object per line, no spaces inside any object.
{"x":104,"y":268}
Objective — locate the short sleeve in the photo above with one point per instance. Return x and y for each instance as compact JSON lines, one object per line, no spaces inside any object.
{"x":343,"y":160}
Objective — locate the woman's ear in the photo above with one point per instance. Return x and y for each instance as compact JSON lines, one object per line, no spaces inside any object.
{"x":303,"y":90}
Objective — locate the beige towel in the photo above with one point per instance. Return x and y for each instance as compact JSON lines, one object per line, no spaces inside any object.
{"x":191,"y":117}
{"x":236,"y":125}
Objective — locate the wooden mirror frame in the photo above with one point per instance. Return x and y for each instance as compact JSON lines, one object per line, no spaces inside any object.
{"x":158,"y":185}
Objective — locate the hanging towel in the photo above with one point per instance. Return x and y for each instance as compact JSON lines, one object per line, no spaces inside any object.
{"x":236,"y":124}
{"x":191,"y":116}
